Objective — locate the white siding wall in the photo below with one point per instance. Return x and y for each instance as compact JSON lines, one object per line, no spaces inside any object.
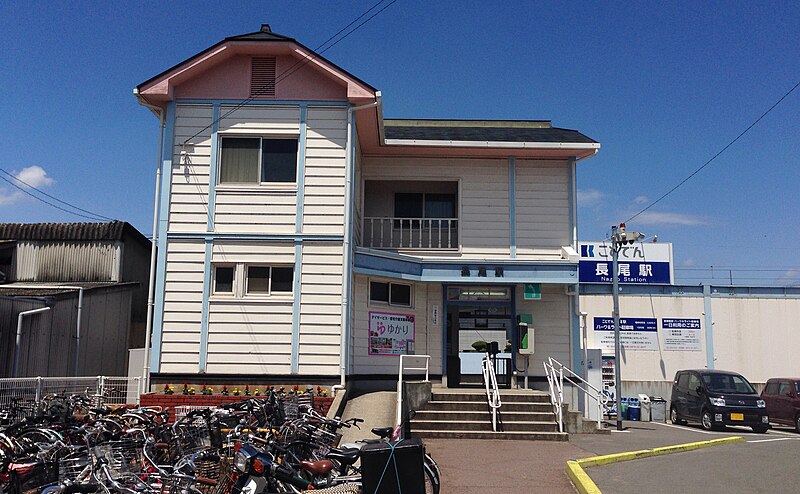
{"x":483,"y":195}
{"x":323,"y":211}
{"x":428,"y":338}
{"x":321,"y":309}
{"x":188,"y":211}
{"x":250,"y":335}
{"x":542,"y":207}
{"x":551,"y":317}
{"x":183,"y":306}
{"x":257,"y":208}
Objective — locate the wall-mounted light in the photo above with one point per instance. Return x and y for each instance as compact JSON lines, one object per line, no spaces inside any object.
{"x":464,"y":271}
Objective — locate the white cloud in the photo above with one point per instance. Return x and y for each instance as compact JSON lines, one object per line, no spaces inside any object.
{"x":792,"y":276}
{"x":641,"y":200}
{"x":689,"y":262}
{"x":35,"y":176}
{"x":589,"y":197}
{"x":663,"y":218}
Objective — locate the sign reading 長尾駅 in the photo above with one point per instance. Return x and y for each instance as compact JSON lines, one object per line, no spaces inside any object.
{"x":681,"y":334}
{"x":638,"y":263}
{"x":635,"y":333}
{"x":391,"y":334}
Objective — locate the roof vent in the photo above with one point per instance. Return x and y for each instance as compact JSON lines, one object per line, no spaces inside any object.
{"x":262,"y":77}
{"x":265,"y":28}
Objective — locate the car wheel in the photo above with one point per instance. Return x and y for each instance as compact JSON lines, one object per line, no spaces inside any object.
{"x":673,"y":417}
{"x":706,"y":422}
{"x":760,"y":428}
{"x":797,"y":423}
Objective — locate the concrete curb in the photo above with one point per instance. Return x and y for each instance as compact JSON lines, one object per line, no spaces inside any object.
{"x":585,"y":485}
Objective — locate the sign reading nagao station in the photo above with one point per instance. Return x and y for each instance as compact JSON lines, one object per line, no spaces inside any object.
{"x":391,"y":334}
{"x":635,"y":333}
{"x":638,"y":264}
{"x":681,"y":335}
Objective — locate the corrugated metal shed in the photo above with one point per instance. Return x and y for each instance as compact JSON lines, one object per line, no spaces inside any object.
{"x":113,"y":230}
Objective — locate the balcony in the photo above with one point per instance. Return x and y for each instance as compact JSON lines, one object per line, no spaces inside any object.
{"x":410,"y":215}
{"x":410,"y":233}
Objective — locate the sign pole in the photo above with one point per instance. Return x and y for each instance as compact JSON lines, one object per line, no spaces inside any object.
{"x":615,"y":314}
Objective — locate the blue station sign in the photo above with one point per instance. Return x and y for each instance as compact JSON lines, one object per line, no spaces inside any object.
{"x":639,"y":263}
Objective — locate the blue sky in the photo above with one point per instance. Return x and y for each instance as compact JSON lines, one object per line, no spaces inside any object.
{"x":663,"y":86}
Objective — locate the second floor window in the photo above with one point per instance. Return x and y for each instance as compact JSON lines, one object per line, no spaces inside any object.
{"x":424,"y":205}
{"x":253,"y":160}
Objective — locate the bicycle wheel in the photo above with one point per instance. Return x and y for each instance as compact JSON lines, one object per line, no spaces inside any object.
{"x":431,"y":480}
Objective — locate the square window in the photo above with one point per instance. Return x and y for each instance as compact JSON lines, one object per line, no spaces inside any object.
{"x":379,"y":292}
{"x":223,"y":279}
{"x":279,"y":160}
{"x":282,"y":279}
{"x":258,"y":279}
{"x":400,"y":295}
{"x":239,"y":160}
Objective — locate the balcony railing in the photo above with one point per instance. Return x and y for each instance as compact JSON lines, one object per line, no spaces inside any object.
{"x":410,"y":233}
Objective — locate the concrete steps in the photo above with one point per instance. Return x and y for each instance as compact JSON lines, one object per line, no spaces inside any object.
{"x":464,"y":414}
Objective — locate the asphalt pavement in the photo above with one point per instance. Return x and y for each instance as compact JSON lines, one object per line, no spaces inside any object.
{"x":763,"y":463}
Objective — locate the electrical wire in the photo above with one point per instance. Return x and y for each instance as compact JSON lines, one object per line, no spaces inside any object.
{"x":93,"y":218}
{"x":316,"y":53}
{"x":100,"y":216}
{"x":745,"y":131}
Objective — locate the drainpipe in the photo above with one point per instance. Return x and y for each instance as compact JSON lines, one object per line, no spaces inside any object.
{"x":348,"y":187}
{"x":19,"y":333}
{"x":80,"y":312}
{"x":145,"y":382}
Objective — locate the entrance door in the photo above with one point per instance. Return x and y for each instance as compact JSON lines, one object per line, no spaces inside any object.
{"x":477,"y":316}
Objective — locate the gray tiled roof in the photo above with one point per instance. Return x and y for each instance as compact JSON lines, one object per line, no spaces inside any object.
{"x":113,"y":230}
{"x":491,"y":134}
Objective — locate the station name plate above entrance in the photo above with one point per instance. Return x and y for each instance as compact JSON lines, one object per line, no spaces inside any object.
{"x":639,"y":263}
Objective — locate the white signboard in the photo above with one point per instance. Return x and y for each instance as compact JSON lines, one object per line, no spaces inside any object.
{"x":635,"y":333}
{"x":391,"y":334}
{"x":681,"y":335}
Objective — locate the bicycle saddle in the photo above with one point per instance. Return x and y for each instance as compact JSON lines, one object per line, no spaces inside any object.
{"x":345,"y":456}
{"x":383,"y":432}
{"x":319,"y":468}
{"x":80,"y":488}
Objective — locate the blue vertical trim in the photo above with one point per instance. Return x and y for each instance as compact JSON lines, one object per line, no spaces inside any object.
{"x":212,"y":173}
{"x":709,"y":321}
{"x":512,"y":205}
{"x":298,"y":265}
{"x":301,"y":167}
{"x":204,"y":316}
{"x":167,"y":150}
{"x":575,"y":331}
{"x":573,"y":221}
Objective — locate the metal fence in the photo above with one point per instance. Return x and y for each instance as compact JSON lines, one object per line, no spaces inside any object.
{"x":106,"y":389}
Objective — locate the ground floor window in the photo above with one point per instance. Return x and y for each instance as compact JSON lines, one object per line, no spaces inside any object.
{"x":390,"y":293}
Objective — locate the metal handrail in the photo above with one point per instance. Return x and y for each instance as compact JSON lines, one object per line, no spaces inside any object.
{"x":399,"y":415}
{"x":555,"y":379}
{"x":492,"y":389}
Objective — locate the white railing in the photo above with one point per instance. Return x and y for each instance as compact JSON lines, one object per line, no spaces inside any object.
{"x":410,"y":233}
{"x":492,"y":390}
{"x":555,"y":378}
{"x":108,"y":390}
{"x":400,"y":373}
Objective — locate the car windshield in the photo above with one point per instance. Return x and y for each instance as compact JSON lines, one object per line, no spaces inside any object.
{"x":727,"y":383}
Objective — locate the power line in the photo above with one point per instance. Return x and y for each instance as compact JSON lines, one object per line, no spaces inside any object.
{"x":52,"y":197}
{"x":47,"y":202}
{"x":745,"y":131}
{"x":301,"y":63}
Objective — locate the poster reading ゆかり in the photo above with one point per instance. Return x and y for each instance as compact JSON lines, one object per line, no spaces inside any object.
{"x":391,"y":334}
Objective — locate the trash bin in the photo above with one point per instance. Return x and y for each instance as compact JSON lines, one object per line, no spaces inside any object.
{"x":634,"y":408}
{"x":658,"y":409}
{"x":644,"y":402}
{"x":407,"y":474}
{"x":623,"y":408}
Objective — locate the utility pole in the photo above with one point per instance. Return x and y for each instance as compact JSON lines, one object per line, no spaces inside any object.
{"x":619,"y":237}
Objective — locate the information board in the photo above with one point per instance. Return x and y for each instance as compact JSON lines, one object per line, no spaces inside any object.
{"x":681,"y":335}
{"x":391,"y":334}
{"x":635,"y":333}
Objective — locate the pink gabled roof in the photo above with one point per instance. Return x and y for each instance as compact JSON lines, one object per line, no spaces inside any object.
{"x":161,"y":88}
